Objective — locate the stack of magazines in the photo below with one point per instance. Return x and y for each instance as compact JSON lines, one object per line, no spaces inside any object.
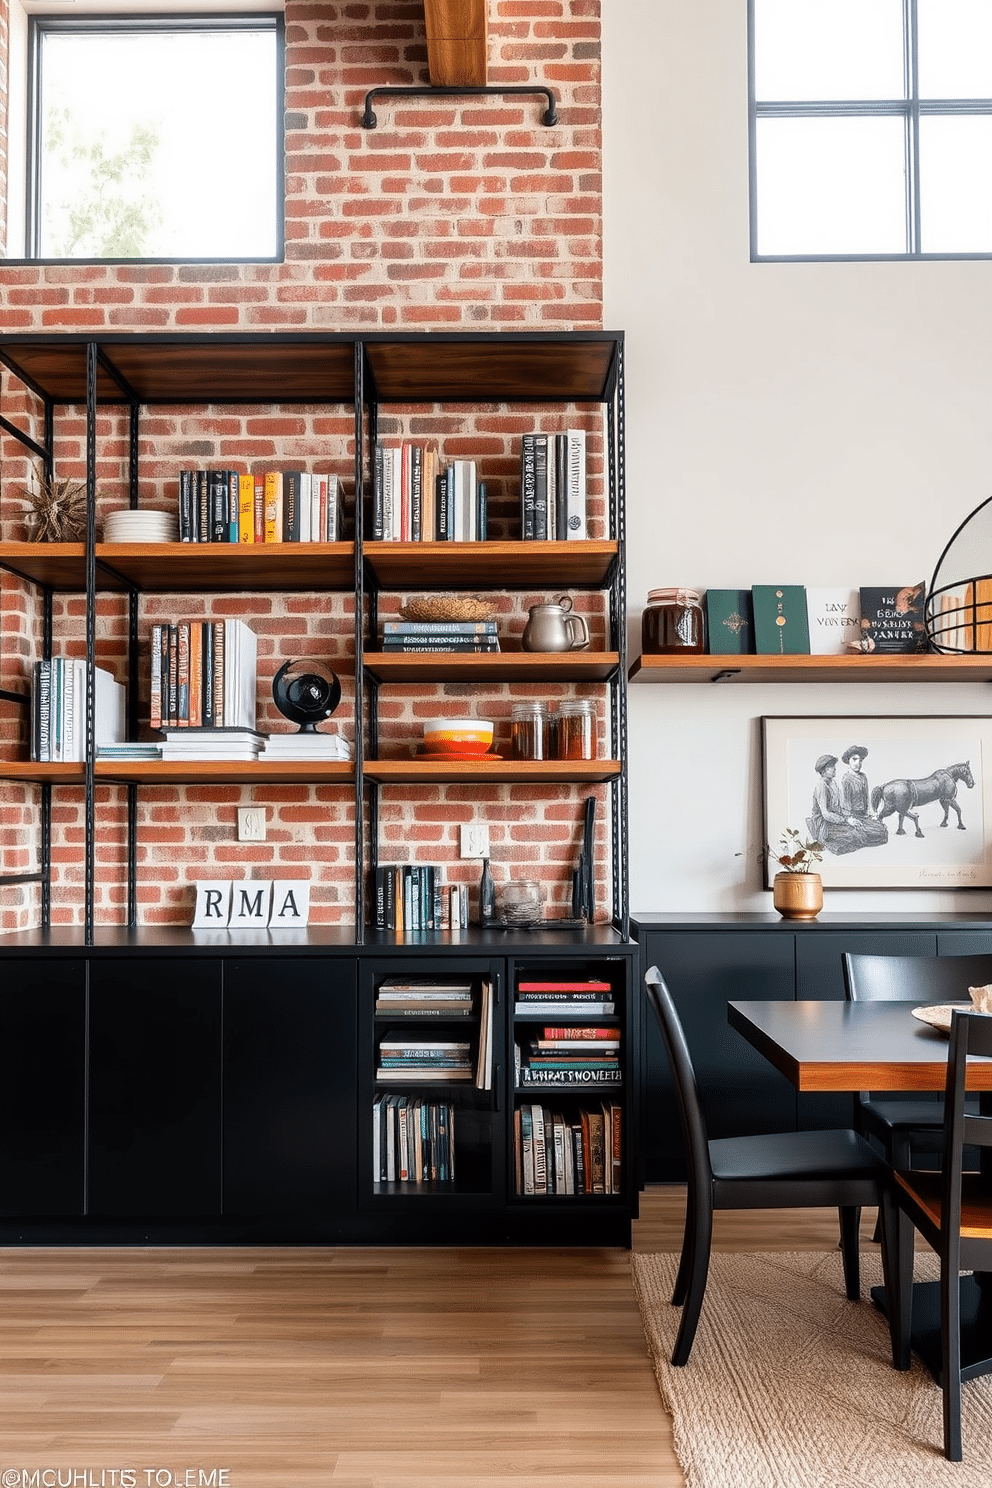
{"x":301,"y":746}
{"x":212,"y":744}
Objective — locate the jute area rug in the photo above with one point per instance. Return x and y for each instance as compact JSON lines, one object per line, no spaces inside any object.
{"x":790,"y":1385}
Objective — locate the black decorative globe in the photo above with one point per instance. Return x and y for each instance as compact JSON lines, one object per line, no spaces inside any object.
{"x":306,"y":692}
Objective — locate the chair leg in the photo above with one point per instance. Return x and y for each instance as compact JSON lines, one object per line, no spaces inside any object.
{"x":682,"y":1278}
{"x":698,"y":1250}
{"x":950,"y":1327}
{"x":849,"y":1222}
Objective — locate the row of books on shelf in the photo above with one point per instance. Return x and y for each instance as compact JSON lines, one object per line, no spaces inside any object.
{"x":58,"y":710}
{"x":417,"y":499}
{"x":231,"y":506}
{"x":406,"y":1054}
{"x":442,"y":635}
{"x":415,"y":896}
{"x":553,"y":486}
{"x":586,"y":997}
{"x":576,"y":1152}
{"x":793,"y":620}
{"x":203,"y":675}
{"x":413,"y":1140}
{"x":565,"y":1055}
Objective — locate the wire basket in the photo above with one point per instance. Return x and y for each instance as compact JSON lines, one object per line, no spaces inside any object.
{"x":958,"y":608}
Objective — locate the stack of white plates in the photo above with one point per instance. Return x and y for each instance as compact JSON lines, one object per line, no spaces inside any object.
{"x":141,"y":527}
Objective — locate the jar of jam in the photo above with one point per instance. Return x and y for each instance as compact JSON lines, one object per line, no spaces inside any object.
{"x":673,"y":621}
{"x":575,"y":734}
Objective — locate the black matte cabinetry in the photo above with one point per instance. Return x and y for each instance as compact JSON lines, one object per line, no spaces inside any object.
{"x":42,"y":1087}
{"x":290,"y":1123}
{"x":155,"y":1087}
{"x":709,"y":961}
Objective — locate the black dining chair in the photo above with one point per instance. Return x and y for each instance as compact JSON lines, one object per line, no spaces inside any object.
{"x":909,"y":1128}
{"x":953,"y":1212}
{"x":784,"y":1170}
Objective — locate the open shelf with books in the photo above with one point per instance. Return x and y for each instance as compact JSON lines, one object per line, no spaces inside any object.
{"x":437,"y":1064}
{"x":573,"y":1040}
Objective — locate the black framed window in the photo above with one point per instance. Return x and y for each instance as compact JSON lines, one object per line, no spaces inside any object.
{"x":155,"y":137}
{"x":870,"y":129}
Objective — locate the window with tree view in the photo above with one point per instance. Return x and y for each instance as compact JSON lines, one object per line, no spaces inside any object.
{"x":871,"y":128}
{"x":155,"y":138}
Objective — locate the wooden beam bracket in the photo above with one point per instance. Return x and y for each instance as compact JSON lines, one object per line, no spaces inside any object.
{"x":369,"y":119}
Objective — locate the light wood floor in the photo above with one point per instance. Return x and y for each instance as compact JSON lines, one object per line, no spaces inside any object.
{"x":350,"y":1368}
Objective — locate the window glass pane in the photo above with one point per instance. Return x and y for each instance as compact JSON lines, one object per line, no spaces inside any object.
{"x":828,"y":49}
{"x":955,"y":42}
{"x":159,"y":145}
{"x":831,"y":186}
{"x":955,"y":165}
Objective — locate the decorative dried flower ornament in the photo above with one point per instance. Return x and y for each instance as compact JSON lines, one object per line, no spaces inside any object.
{"x":794,"y":855}
{"x":57,"y":509}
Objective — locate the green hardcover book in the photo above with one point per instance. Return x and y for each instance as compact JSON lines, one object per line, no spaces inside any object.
{"x":729,"y":622}
{"x":781,"y":626}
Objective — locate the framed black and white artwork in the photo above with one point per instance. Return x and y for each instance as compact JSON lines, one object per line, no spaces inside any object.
{"x":895,"y":802}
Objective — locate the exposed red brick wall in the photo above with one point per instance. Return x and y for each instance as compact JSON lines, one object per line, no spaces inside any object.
{"x":457,"y":213}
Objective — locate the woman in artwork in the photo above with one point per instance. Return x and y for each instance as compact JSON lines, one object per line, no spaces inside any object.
{"x":830,"y":823}
{"x":855,"y":797}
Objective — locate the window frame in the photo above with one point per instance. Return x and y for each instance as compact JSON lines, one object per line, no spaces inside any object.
{"x":42,"y":24}
{"x":910,"y":109}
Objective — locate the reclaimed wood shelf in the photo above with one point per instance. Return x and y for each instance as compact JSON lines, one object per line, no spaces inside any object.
{"x":429,"y":667}
{"x":421,"y":771}
{"x":186,"y":568}
{"x":489,"y":566}
{"x":184,"y":772}
{"x":872,"y":669}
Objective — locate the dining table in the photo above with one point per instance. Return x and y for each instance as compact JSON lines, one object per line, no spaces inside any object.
{"x":878,"y":1046}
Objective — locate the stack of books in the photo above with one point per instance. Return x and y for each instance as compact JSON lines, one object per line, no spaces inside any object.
{"x":307,"y":746}
{"x":558,"y":996}
{"x":415,"y":500}
{"x":418,"y":997}
{"x":212,"y":744}
{"x":413,"y":1141}
{"x":440,"y":635}
{"x":567,"y":1055}
{"x":203,"y":675}
{"x":129,"y":751}
{"x":230,"y":506}
{"x":404,"y":1058}
{"x":553,"y":486}
{"x":58,"y":710}
{"x":579,"y":1152}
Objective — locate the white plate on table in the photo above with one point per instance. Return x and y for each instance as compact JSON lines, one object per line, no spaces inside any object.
{"x":940,"y":1016}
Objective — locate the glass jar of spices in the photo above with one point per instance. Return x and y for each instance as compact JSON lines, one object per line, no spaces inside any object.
{"x":529,"y":731}
{"x":575,"y":733}
{"x":673,"y":621}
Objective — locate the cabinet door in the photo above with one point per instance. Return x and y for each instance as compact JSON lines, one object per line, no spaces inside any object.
{"x":740,"y":1091}
{"x":155,"y":1087}
{"x":820,"y":978}
{"x":964,"y":943}
{"x":290,"y":1059}
{"x":42,"y":1085}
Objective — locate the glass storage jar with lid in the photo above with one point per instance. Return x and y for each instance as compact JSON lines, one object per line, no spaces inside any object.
{"x":529,"y":726}
{"x":575,"y":730}
{"x":673,"y":621}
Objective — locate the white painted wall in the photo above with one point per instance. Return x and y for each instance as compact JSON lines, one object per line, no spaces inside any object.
{"x":801,"y":423}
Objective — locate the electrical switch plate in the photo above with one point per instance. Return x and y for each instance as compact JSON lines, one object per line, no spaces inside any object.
{"x":251,"y":824}
{"x":475,"y":841}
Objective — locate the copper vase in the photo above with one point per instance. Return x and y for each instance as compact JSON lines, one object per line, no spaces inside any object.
{"x":798,"y":896}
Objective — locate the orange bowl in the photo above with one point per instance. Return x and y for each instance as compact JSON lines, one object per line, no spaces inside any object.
{"x":456,"y":735}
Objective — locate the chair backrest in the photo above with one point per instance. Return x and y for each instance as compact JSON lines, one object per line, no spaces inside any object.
{"x":971,"y":1034}
{"x":914,"y":978}
{"x":693,"y":1125}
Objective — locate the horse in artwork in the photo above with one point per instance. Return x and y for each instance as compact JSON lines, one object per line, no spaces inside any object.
{"x":903,"y":796}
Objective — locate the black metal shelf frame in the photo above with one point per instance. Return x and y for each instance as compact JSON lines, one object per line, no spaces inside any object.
{"x":100,"y":366}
